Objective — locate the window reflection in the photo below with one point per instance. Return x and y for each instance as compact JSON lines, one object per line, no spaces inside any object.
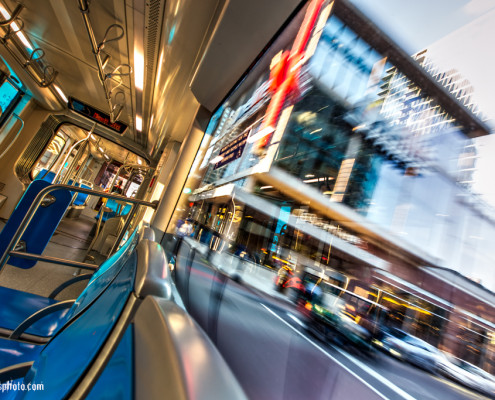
{"x":353,"y":208}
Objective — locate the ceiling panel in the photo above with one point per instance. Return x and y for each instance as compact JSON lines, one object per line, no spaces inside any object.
{"x":243,"y":32}
{"x":57,"y":27}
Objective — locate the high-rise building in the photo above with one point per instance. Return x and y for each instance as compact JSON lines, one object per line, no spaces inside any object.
{"x":404,"y":104}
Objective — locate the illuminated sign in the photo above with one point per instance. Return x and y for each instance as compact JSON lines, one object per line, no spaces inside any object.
{"x":232,"y":151}
{"x":96,"y":115}
{"x":285,"y":71}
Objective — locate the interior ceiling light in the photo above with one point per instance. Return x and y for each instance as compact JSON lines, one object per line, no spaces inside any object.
{"x":61,"y":93}
{"x":139,"y":123}
{"x":138,"y":69}
{"x":16,"y":29}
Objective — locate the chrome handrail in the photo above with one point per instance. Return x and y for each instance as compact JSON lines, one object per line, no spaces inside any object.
{"x":41,"y":195}
{"x":97,"y":47}
{"x":43,"y":74}
{"x":13,"y":17}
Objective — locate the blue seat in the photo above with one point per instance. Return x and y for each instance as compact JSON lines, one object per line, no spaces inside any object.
{"x":81,"y":197}
{"x":94,"y":323}
{"x":49,"y":176}
{"x":116,"y":209}
{"x":45,"y":175}
{"x":14,"y":352}
{"x":130,"y":342}
{"x":17,"y":306}
{"x":42,"y":225}
{"x":63,"y":360}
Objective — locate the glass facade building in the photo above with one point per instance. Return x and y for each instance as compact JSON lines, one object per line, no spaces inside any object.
{"x":313,"y":163}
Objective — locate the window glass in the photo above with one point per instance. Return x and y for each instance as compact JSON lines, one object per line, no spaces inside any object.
{"x":337,"y":165}
{"x":8,"y":93}
{"x":50,"y":155}
{"x":9,"y":98}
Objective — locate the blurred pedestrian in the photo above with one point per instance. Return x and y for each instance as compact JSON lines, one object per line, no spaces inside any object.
{"x":118,"y":187}
{"x":185,"y":229}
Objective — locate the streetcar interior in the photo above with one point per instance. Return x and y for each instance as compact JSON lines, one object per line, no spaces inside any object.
{"x":153,"y":241}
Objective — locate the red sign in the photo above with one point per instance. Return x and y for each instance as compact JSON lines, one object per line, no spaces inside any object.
{"x":284,"y":76}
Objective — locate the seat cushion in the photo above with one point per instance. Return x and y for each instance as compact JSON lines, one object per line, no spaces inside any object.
{"x":16,"y":306}
{"x":13,"y":352}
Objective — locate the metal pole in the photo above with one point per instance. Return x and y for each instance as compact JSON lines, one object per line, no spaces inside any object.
{"x":124,"y":228}
{"x":97,"y":231}
{"x":86,"y":139}
{"x":84,"y":166}
{"x":84,"y":7}
{"x":66,"y":158}
{"x":115,"y":178}
{"x":53,"y":260}
{"x":74,"y":162}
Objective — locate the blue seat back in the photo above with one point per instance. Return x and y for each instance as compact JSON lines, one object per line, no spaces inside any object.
{"x":114,"y":206}
{"x":45,"y":175}
{"x":14,"y":352}
{"x":72,"y":350}
{"x":81,"y":197}
{"x":103,"y":277}
{"x":42,"y":226}
{"x":16,"y":306}
{"x":116,"y":381}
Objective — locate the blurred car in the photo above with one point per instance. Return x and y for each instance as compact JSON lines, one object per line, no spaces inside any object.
{"x":467,"y":374}
{"x":329,"y":318}
{"x":409,"y":348}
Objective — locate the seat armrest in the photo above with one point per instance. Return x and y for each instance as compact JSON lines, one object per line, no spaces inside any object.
{"x":38,"y":315}
{"x":173,"y":355}
{"x":152,"y":272}
{"x":147,"y":232}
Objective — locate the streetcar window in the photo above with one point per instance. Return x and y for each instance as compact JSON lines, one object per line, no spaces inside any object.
{"x":9,"y":97}
{"x":51,"y":154}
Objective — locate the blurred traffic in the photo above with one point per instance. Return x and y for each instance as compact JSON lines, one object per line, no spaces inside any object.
{"x":365,"y":323}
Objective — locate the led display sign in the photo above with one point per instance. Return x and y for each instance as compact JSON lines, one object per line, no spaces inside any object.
{"x":96,"y":115}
